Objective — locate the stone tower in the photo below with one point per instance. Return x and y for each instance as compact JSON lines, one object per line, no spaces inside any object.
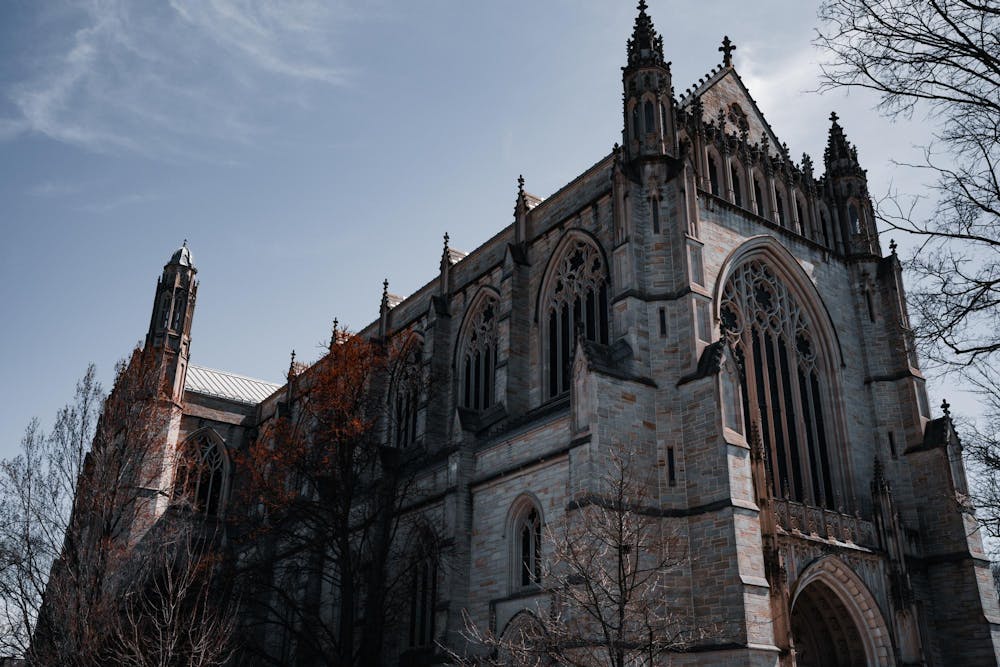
{"x":169,"y":335}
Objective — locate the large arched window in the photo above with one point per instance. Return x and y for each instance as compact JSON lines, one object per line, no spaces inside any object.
{"x":478,"y":357}
{"x":783,"y":389}
{"x":576,"y":304}
{"x":200,"y":474}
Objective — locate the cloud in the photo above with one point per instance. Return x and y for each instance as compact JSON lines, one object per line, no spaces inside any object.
{"x":172,"y":81}
{"x":119,"y":202}
{"x":52,"y":189}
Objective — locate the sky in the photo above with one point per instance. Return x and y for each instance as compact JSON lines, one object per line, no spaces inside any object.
{"x":306,"y":150}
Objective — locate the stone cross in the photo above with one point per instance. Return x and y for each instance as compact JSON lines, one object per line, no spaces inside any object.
{"x":727,"y":49}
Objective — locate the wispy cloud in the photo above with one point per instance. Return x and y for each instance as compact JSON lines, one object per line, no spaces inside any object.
{"x":119,"y":202}
{"x":173,"y":80}
{"x":54,"y":189}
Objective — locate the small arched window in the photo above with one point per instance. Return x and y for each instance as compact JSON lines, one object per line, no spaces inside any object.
{"x":479,"y":357}
{"x":577,"y":304}
{"x":178,"y":318}
{"x":758,"y":195}
{"x":200,"y":475}
{"x":779,"y":202}
{"x":800,"y":211}
{"x":649,"y":116}
{"x":713,"y":175}
{"x":854,"y":216}
{"x":527,"y":552}
{"x":164,"y":310}
{"x":635,"y":122}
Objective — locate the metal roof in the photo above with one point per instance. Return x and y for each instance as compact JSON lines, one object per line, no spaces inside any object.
{"x":230,"y":386}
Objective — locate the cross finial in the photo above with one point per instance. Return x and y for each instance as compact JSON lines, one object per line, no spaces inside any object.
{"x":446,"y":239}
{"x":291,"y":365}
{"x":892,"y":246}
{"x":520,"y":184}
{"x":642,"y":6}
{"x":727,"y":49}
{"x":385,"y":286}
{"x":185,"y":244}
{"x":834,"y":117}
{"x":946,"y":408}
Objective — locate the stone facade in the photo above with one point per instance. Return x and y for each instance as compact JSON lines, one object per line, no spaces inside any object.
{"x":826,"y":519}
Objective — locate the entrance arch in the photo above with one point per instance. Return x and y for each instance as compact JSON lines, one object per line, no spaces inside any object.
{"x":835,"y":620}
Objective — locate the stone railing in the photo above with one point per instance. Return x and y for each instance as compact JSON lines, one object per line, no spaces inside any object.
{"x":798,"y":518}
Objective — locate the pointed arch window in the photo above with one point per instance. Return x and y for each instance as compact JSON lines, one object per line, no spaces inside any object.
{"x":713,"y":175}
{"x":854,"y":217}
{"x":783,"y":389}
{"x":649,"y":116}
{"x":479,"y":357}
{"x":758,"y":195}
{"x":635,"y":121}
{"x":779,"y":202}
{"x":526,"y":554}
{"x":577,"y":304}
{"x":178,"y":317}
{"x":423,"y":599}
{"x":405,"y":396}
{"x":200,"y":475}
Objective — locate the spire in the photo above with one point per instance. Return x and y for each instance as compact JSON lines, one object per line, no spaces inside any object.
{"x":727,"y":49}
{"x":645,"y":47}
{"x":840,"y":155}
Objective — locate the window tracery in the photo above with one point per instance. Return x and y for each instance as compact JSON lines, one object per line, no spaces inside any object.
{"x":479,"y":358}
{"x":200,"y":475}
{"x":781,"y":382}
{"x":576,"y":304}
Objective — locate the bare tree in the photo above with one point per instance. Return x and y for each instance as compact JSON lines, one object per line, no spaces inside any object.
{"x":79,"y":524}
{"x":608,"y":569}
{"x":942,"y":58}
{"x":330,"y":479}
{"x":172,"y":614}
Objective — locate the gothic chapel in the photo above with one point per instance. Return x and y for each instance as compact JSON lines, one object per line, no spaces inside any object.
{"x":729,"y":314}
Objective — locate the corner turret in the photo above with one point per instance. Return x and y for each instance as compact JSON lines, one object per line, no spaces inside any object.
{"x":169,"y":335}
{"x":847,"y":189}
{"x":648,"y":94}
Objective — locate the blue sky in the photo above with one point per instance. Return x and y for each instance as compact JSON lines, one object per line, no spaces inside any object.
{"x":307,"y":150}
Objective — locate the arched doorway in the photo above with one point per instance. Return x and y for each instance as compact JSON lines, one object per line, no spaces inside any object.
{"x":835,"y":620}
{"x":825,"y":634}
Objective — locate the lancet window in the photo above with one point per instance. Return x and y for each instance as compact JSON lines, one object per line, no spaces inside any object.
{"x":423,"y":599}
{"x":734,"y":173}
{"x":713,"y":175}
{"x":526,"y":555}
{"x":577,"y":305}
{"x":782,"y":385}
{"x":405,"y":397}
{"x":479,"y":357}
{"x":200,"y":475}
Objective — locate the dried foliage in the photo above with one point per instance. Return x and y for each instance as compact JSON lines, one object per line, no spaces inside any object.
{"x":76,"y":511}
{"x":320,"y":550}
{"x":942,"y":58}
{"x":606,"y":582}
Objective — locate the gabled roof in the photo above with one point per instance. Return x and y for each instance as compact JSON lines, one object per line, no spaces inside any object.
{"x":230,"y":386}
{"x":719,"y":89}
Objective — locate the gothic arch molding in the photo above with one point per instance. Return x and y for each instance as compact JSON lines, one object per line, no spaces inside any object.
{"x":564,"y":245}
{"x":185,"y":449}
{"x":770,"y":250}
{"x":833,"y":575}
